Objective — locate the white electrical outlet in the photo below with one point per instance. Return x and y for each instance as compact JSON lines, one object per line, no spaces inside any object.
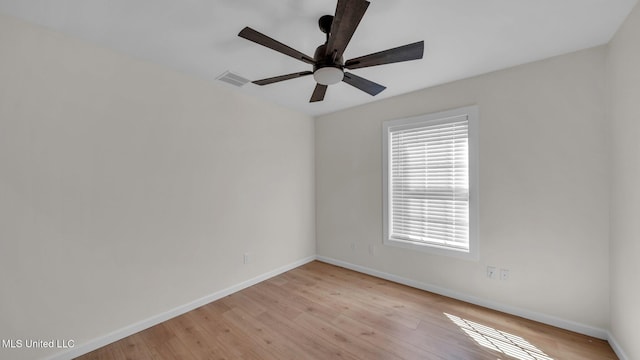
{"x":491,"y":272}
{"x":353,"y":247}
{"x":504,"y":274}
{"x":372,"y":250}
{"x":246,"y":258}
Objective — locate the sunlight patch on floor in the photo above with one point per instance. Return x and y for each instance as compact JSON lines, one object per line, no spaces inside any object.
{"x":497,"y":340}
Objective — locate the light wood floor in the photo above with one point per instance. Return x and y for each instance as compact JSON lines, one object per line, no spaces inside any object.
{"x":319,"y":311}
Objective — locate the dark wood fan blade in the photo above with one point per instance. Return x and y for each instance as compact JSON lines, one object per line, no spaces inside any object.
{"x":402,"y":53}
{"x":318,"y":93}
{"x":275,"y":79}
{"x":363,"y":84}
{"x":262,"y":39}
{"x":345,"y":21}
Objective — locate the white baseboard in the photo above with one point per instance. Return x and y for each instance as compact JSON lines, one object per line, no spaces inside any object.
{"x":616,"y":347}
{"x":154,"y":320}
{"x":527,"y":314}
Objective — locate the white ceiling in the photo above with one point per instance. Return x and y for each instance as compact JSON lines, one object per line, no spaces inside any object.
{"x":462,"y":38}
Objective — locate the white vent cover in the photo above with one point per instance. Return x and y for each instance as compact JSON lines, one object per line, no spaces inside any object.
{"x":232,"y":79}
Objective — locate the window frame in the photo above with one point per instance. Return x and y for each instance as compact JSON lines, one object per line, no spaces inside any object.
{"x":388,"y":126}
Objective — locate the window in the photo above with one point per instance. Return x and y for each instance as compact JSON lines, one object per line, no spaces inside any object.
{"x":430,"y":192}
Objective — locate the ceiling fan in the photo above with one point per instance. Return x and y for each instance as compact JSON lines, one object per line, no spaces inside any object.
{"x":328,"y":63}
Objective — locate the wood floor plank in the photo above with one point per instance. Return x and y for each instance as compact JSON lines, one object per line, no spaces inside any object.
{"x":134,"y":347}
{"x":270,"y":343}
{"x":320,"y":311}
{"x":314,"y":347}
{"x":224,"y":338}
{"x":338,"y":338}
{"x":402,"y":348}
{"x":164,"y":344}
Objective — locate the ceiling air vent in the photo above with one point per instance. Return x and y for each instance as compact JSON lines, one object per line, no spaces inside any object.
{"x":232,"y":79}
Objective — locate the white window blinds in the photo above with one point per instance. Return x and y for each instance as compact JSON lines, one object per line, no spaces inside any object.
{"x":429,"y":183}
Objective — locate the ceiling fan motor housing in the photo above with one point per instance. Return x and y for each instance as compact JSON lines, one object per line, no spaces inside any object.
{"x":326,"y":69}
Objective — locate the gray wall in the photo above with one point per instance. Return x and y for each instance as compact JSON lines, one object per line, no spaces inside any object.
{"x":624,"y":113}
{"x":543,"y":188}
{"x":127,"y":190}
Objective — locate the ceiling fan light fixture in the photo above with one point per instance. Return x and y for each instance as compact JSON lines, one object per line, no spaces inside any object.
{"x":328,"y":75}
